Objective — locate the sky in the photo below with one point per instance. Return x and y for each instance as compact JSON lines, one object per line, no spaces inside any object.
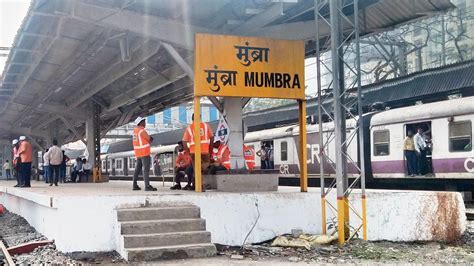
{"x":12,"y":13}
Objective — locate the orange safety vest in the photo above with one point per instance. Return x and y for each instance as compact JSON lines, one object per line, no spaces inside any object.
{"x":206,"y":135}
{"x":222,"y":156}
{"x":141,"y":142}
{"x":249,"y":156}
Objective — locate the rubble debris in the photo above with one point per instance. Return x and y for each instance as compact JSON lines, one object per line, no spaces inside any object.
{"x":304,"y":241}
{"x":296,"y":232}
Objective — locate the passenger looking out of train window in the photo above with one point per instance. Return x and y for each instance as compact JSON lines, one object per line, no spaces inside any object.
{"x":207,"y":137}
{"x":142,"y":148}
{"x":220,"y":159}
{"x":183,"y":166}
{"x":262,"y":153}
{"x":55,"y":156}
{"x":410,"y":153}
{"x":87,"y":170}
{"x":420,"y":147}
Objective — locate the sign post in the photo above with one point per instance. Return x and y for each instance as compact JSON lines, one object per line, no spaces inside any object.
{"x":239,"y":66}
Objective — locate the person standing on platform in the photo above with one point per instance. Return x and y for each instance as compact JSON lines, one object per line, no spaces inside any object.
{"x":87,"y":169}
{"x":62,"y":170}
{"x":184,"y":165}
{"x":142,"y":148}
{"x":26,"y":156}
{"x":262,"y":153}
{"x":55,"y":156}
{"x":220,"y":158}
{"x":207,"y":137}
{"x":249,"y":156}
{"x":410,"y":153}
{"x":7,"y":167}
{"x":46,"y":168}
{"x":16,"y":162}
{"x":420,"y":147}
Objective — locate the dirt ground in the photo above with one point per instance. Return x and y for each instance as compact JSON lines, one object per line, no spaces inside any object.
{"x":15,"y":230}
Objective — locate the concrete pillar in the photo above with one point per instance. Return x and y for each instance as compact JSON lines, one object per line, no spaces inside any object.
{"x":90,"y":139}
{"x":233,"y":114}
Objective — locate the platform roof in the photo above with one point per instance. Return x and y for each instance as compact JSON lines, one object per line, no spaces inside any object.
{"x":67,"y":54}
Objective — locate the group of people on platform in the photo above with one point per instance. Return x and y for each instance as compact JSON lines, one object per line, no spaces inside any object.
{"x":20,"y":168}
{"x":417,"y":149}
{"x":215,"y":155}
{"x":54,"y":165}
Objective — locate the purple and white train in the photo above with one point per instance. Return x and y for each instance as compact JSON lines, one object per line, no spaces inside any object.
{"x":449,"y":123}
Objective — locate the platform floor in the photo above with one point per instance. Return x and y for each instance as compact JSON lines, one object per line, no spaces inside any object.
{"x":114,"y":188}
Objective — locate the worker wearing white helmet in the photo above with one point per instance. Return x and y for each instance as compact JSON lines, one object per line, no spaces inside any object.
{"x":26,"y":156}
{"x":16,"y":161}
{"x":142,"y":148}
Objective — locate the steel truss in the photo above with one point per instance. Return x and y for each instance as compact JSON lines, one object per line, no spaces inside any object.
{"x":341,"y":17}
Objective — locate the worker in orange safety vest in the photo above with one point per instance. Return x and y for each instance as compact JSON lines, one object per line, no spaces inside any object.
{"x":249,"y":157}
{"x":220,"y":159}
{"x":207,"y":137}
{"x":142,"y":148}
{"x":25,"y":151}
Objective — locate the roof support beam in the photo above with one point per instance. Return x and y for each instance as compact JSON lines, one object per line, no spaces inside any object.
{"x":255,"y":23}
{"x":33,"y":140}
{"x":74,"y":131}
{"x":113,"y":73}
{"x":24,"y":131}
{"x":170,"y":31}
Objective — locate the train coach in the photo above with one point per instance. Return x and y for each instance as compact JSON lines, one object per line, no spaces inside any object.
{"x":448,"y":124}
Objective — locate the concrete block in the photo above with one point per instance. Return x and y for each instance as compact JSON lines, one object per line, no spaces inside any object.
{"x":171,"y":252}
{"x":158,"y":213}
{"x":247,"y":183}
{"x":162,"y":226}
{"x":210,"y":181}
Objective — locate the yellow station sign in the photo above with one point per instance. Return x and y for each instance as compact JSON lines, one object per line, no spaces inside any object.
{"x":240,"y":66}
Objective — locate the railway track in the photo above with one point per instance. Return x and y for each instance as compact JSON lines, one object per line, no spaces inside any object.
{"x":470,"y":212}
{"x":5,"y":257}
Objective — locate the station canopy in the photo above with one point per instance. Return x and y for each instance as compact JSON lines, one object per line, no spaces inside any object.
{"x":135,"y":57}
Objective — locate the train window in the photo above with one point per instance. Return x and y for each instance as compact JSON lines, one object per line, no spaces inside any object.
{"x":103,"y":165}
{"x":460,"y":136}
{"x":119,"y":164}
{"x":284,"y":150}
{"x":132,"y":162}
{"x":381,"y":143}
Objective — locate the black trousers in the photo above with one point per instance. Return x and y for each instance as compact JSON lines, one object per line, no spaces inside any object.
{"x":213,"y":169}
{"x":54,"y":174}
{"x":189,"y":171}
{"x":421,"y":160}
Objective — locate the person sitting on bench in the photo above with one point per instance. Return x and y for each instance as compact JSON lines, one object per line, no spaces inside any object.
{"x":220,"y":159}
{"x":184,"y":165}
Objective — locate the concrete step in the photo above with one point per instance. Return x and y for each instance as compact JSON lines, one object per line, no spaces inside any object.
{"x":162,"y":226}
{"x":166,"y":239}
{"x":171,"y":252}
{"x":157,"y":213}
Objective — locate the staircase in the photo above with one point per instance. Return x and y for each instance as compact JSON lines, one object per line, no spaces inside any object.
{"x":164,"y":232}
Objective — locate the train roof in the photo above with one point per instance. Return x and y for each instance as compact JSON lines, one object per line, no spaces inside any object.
{"x":154,"y":150}
{"x":454,"y":107}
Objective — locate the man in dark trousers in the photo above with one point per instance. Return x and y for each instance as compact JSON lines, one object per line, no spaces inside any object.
{"x":142,"y":148}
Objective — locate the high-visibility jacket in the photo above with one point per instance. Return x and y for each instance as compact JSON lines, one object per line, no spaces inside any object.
{"x":15,"y":156}
{"x":141,"y":142}
{"x":184,"y":159}
{"x":26,"y":152}
{"x":222,"y":156}
{"x":206,"y":135}
{"x":249,"y":156}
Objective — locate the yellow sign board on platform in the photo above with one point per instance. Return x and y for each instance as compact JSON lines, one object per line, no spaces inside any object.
{"x":240,"y":66}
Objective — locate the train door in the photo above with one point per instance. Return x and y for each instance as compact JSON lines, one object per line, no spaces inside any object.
{"x":125,"y":166}
{"x":424,"y":162}
{"x":266,"y":153}
{"x":114,"y":167}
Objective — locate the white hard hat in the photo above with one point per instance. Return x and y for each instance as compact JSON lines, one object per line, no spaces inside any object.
{"x":22,"y":138}
{"x":138,"y":120}
{"x":15,"y":141}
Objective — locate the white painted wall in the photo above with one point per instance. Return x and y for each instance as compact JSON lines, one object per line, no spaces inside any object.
{"x":90,"y":223}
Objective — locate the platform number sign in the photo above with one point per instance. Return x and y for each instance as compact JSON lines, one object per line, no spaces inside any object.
{"x":222,"y":131}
